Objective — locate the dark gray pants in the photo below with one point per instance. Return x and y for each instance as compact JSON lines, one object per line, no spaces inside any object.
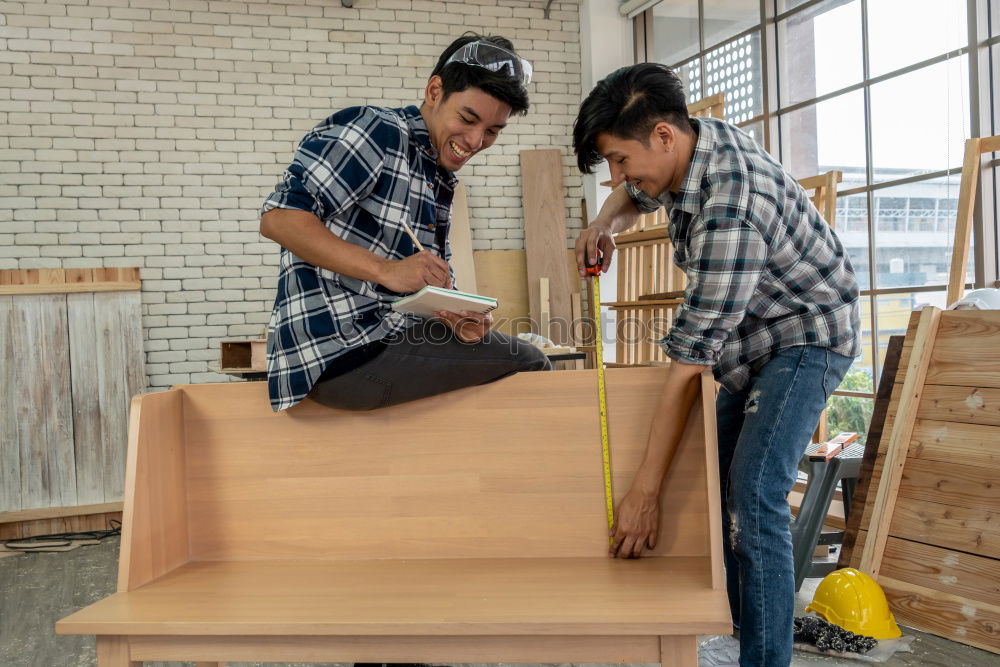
{"x":426,"y":360}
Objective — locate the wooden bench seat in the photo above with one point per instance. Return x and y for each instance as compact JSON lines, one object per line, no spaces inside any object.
{"x":467,"y":527}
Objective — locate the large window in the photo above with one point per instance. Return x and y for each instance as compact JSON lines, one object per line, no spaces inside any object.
{"x":885,"y":91}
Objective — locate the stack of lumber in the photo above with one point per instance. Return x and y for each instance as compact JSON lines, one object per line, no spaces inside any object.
{"x":930,"y":532}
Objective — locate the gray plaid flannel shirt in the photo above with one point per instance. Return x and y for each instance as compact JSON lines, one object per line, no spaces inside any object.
{"x":363,"y":172}
{"x":764,"y":270}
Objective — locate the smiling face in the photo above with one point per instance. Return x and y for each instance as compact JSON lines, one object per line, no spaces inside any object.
{"x":462,"y":124}
{"x":653,"y":167}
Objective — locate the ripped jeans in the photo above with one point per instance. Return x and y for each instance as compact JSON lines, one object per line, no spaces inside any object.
{"x":763,"y":431}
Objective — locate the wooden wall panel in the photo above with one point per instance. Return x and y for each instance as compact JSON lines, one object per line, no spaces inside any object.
{"x":107,"y":370}
{"x":75,"y":358}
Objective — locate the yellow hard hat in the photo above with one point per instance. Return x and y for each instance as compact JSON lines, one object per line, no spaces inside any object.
{"x":851,"y":599}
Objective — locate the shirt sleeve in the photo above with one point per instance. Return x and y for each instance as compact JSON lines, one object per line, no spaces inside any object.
{"x":725,"y":259}
{"x":642,"y":201}
{"x":335,"y":167}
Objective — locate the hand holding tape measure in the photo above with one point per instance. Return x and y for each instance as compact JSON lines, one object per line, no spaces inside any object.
{"x":594,"y":273}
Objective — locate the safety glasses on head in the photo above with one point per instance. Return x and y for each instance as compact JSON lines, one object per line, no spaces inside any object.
{"x":495,"y":59}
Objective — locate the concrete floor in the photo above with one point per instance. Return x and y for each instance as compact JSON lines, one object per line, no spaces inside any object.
{"x":38,"y":589}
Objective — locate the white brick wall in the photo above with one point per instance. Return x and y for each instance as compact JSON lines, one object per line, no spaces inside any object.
{"x":131,"y":134}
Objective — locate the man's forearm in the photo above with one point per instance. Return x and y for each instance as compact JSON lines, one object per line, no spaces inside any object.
{"x":306,"y":237}
{"x":618,"y":212}
{"x":669,"y":420}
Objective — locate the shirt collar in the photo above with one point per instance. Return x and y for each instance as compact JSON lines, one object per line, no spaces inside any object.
{"x":688,"y":198}
{"x":422,"y":138}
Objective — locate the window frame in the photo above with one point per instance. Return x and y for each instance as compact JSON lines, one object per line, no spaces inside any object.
{"x":983,"y":89}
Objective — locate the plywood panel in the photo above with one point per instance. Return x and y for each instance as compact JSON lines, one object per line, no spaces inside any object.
{"x":503,"y":274}
{"x":545,"y":231}
{"x":155,"y":521}
{"x":416,"y":494}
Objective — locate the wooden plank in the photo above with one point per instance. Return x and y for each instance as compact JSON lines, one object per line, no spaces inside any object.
{"x":154,"y":525}
{"x":42,"y":513}
{"x":59,"y":407}
{"x":951,"y":484}
{"x":958,"y":357}
{"x":41,"y":410}
{"x":714,"y":494}
{"x":10,"y":450}
{"x":119,"y":343}
{"x":899,"y":440}
{"x":545,"y":230}
{"x":947,"y":442}
{"x":973,"y":530}
{"x":712,"y":106}
{"x":963,"y":220}
{"x":949,"y":616}
{"x":460,"y":239}
{"x":970,"y":576}
{"x":970,"y":405}
{"x":68,"y":288}
{"x":88,"y":434}
{"x":503,"y":274}
{"x":653,"y":233}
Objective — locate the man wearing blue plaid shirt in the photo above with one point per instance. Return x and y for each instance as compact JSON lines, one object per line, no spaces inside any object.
{"x":358,"y":180}
{"x":771,"y":305}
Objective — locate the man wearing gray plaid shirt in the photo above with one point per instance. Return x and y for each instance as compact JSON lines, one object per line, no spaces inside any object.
{"x":359,"y":183}
{"x":771,"y":305}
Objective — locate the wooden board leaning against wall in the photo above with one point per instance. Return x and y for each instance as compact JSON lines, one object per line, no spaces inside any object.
{"x":938,"y":556}
{"x":74,"y":355}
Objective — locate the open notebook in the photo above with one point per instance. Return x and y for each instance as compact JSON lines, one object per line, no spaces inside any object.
{"x":430,"y":299}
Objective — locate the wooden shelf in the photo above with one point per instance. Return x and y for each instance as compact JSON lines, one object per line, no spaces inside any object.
{"x":657,"y":303}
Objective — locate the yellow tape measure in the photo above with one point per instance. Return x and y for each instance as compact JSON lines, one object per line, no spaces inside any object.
{"x":609,"y":498}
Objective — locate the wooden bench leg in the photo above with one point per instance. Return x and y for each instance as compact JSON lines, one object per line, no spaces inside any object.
{"x":679,"y":651}
{"x":112,"y":651}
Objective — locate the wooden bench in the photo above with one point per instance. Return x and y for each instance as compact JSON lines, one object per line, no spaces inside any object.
{"x":468,"y":527}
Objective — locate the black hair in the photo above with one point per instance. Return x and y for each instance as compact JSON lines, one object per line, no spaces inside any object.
{"x":456,"y":77}
{"x":628,"y":103}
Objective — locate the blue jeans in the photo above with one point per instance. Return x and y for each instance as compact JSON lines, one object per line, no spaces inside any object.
{"x":763,"y":431}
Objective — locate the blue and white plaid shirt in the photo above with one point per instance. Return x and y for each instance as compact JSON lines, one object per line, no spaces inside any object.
{"x":363,"y":172}
{"x":765,"y":271}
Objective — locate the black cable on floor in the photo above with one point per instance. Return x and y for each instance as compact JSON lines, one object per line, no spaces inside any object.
{"x":58,"y":541}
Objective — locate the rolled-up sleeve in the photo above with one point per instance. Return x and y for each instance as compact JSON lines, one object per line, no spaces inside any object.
{"x":725,"y":259}
{"x":334,"y":168}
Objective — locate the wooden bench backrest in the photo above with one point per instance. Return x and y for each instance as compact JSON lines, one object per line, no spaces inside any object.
{"x":511,"y":469}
